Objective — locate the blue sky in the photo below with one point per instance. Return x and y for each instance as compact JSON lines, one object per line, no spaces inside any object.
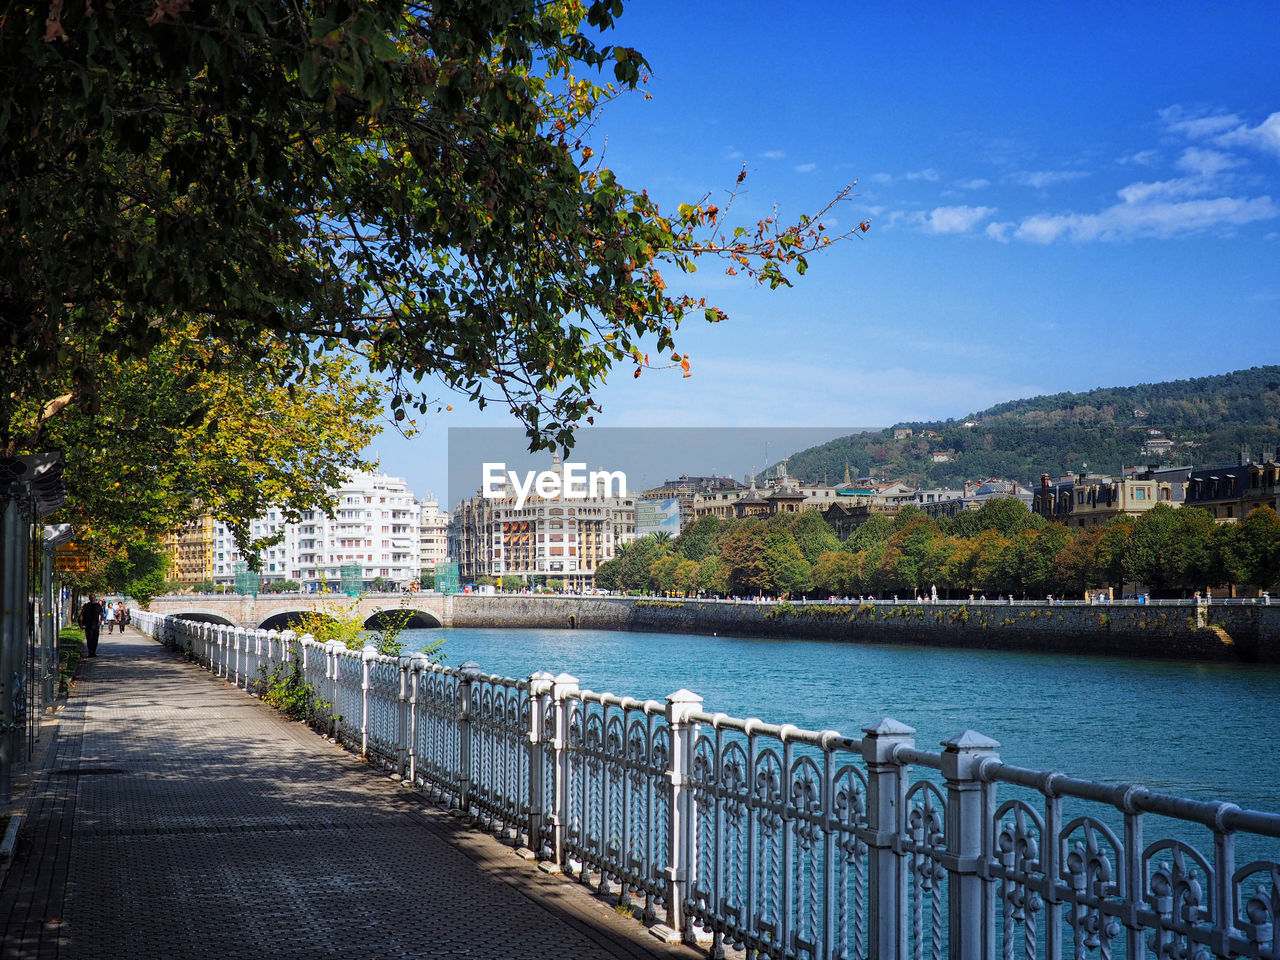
{"x":1062,"y":197}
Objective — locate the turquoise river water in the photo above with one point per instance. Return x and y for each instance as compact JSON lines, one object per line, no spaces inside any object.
{"x":1203,"y":730}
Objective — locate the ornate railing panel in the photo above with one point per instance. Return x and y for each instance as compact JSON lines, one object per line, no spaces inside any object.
{"x":788,"y":843}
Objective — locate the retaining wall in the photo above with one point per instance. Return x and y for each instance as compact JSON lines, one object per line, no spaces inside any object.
{"x":1219,"y":632}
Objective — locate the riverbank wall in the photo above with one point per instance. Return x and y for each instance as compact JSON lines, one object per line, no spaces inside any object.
{"x":1248,"y":632}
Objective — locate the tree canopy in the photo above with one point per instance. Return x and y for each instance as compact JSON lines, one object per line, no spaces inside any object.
{"x":193,"y":193}
{"x":410,"y":182}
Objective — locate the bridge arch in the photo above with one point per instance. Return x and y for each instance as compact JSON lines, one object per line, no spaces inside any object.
{"x":284,"y":619}
{"x":418,"y":619}
{"x":203,"y":616}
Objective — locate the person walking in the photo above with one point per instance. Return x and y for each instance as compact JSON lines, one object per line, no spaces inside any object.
{"x":91,"y":616}
{"x":122,"y":614}
{"x":110,"y":617}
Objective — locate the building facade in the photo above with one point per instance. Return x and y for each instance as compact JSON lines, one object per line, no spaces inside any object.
{"x":191,"y":552}
{"x":433,"y":537}
{"x":539,"y":539}
{"x":1232,"y":493}
{"x":374,"y":531}
{"x":1090,"y":501}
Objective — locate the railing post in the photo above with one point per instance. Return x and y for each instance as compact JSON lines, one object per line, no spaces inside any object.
{"x":332,"y":651}
{"x":421,"y":662}
{"x":563,"y":689}
{"x":404,"y":721}
{"x":367,"y":656}
{"x":540,"y":685}
{"x":886,"y":800}
{"x":971,"y":910}
{"x":469,"y":672}
{"x":681,"y":849}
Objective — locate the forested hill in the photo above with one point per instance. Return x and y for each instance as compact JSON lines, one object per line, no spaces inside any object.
{"x":1209,"y":421}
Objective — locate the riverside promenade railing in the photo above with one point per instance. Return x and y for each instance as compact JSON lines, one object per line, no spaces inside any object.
{"x":789,"y":843}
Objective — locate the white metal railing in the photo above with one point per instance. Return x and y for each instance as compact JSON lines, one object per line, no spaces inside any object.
{"x":791,"y":843}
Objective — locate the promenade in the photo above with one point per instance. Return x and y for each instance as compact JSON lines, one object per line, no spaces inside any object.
{"x":172,"y":816}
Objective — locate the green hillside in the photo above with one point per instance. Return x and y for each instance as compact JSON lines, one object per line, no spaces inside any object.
{"x":1209,"y":419}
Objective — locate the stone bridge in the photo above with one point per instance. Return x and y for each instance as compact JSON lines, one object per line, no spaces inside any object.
{"x":275,"y":611}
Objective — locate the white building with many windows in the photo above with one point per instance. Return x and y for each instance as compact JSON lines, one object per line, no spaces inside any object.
{"x":433,"y":533}
{"x":375,"y":527}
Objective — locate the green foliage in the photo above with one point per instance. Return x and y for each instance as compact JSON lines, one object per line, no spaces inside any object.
{"x":555,"y":586}
{"x":342,"y":622}
{"x":411,"y":183}
{"x":280,"y":586}
{"x":70,"y":652}
{"x":285,"y":688}
{"x":698,"y":540}
{"x":136,"y":570}
{"x":1251,"y":549}
{"x":427,"y":579}
{"x":609,"y":576}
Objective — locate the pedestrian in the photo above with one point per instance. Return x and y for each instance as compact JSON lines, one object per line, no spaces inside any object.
{"x":110,"y":617}
{"x":91,"y":615}
{"x":122,"y":615}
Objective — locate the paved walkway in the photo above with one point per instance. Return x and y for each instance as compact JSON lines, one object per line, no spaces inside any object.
{"x":173,"y":816}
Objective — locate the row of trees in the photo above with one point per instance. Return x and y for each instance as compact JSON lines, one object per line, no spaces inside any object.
{"x":1001,"y":549}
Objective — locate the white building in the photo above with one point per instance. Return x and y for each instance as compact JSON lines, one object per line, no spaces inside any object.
{"x":375,"y":527}
{"x":544,"y":538}
{"x":433,"y":534}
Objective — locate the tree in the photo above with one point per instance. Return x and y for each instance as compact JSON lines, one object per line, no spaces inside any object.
{"x":1250,"y":550}
{"x":686,"y":579}
{"x":609,"y":575}
{"x":787,"y":572}
{"x":137,"y":572}
{"x":662,"y":572}
{"x":813,"y":535}
{"x":1172,"y":550}
{"x":711,"y":576}
{"x":414,"y":184}
{"x":636,"y":561}
{"x":280,"y":586}
{"x":742,"y":553}
{"x":836,"y":574}
{"x":698,"y":539}
{"x":167,"y":439}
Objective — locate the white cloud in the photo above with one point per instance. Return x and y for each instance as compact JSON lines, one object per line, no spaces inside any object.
{"x":1039,"y":179}
{"x":1205,"y":162}
{"x":1000,"y":230}
{"x":773,"y":154}
{"x":1143,"y":158}
{"x":1265,"y":136}
{"x":976,"y":184}
{"x":1178,"y":188}
{"x":1197,"y":124}
{"x":806,"y":167}
{"x":881,"y":178}
{"x":1138,"y":218}
{"x":931,"y":175}
{"x":954,"y":219}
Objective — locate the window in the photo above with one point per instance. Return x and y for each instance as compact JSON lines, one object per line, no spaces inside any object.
{"x":1139,"y":493}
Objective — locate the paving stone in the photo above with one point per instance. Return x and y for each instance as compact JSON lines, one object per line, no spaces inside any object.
{"x":177,"y":817}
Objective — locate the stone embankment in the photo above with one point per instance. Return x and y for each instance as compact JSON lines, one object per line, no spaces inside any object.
{"x":1249,"y":632}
